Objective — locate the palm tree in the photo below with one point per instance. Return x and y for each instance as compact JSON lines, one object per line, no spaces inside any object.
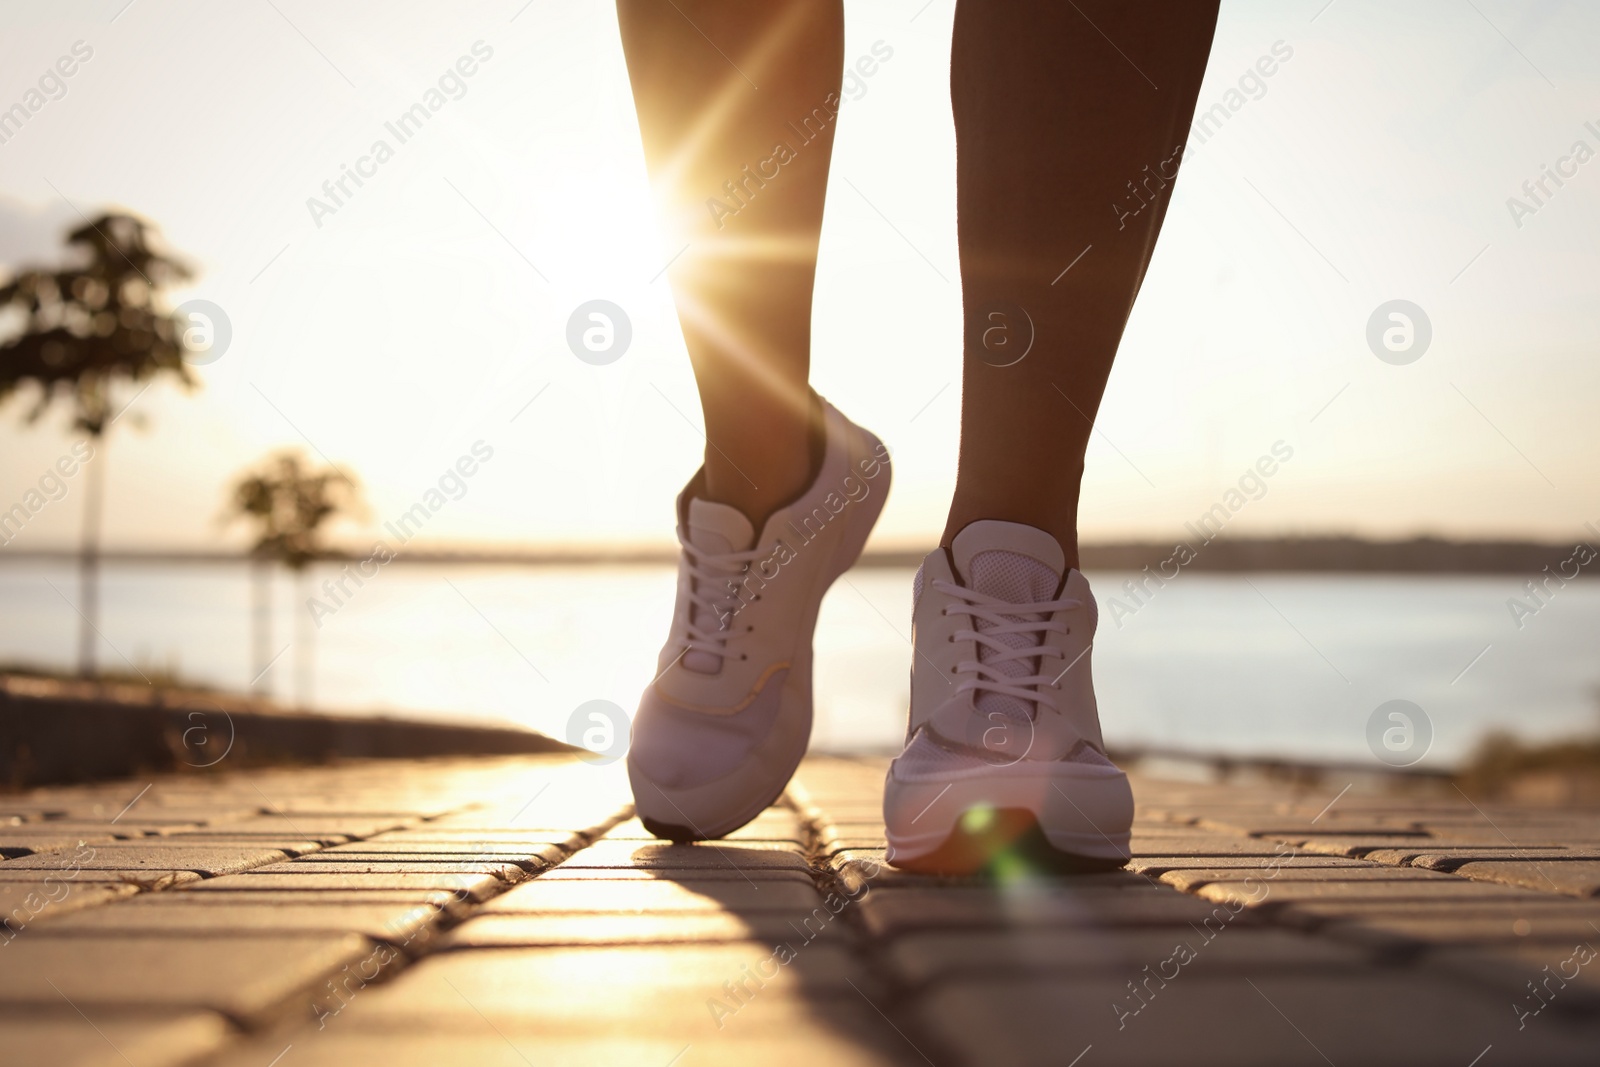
{"x":87,"y":332}
{"x":289,"y":503}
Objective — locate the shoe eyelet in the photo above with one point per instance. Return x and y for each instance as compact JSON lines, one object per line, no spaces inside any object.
{"x":742,"y":656}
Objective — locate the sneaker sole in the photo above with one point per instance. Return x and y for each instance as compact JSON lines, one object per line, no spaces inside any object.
{"x":702,"y":813}
{"x":1009,"y":840}
{"x":1063,"y":818}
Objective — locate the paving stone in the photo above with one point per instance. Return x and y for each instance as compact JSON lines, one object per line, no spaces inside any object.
{"x":837,"y":1034}
{"x":290,"y":846}
{"x":61,"y":860}
{"x":888,"y":911}
{"x":1573,"y":833}
{"x":662,"y":989}
{"x":181,"y":817}
{"x":544,"y":895}
{"x":1550,"y":981}
{"x":385,"y":810}
{"x":532,"y":856}
{"x":588,"y":826}
{"x":834,"y":844}
{"x":1209,"y":845}
{"x":705,"y":927}
{"x":1156,"y":865}
{"x":710,"y":855}
{"x":279,"y":828}
{"x":1385,"y":830}
{"x":328,"y":831}
{"x":142,"y":879}
{"x":474,"y":838}
{"x":829,"y":825}
{"x":324,"y":865}
{"x":63,"y":1038}
{"x":1407,"y":927}
{"x":1494,"y":839}
{"x":24,"y":904}
{"x":1469,"y":928}
{"x":861,"y":804}
{"x":121,"y":831}
{"x":174,"y":914}
{"x":774,"y":827}
{"x":1190,"y":879}
{"x":243,"y":978}
{"x":1359,"y":846}
{"x":858,"y":802}
{"x":1454,"y":892}
{"x":861,"y":869}
{"x":467,"y":886}
{"x":1523,"y":905}
{"x":1578,"y":878}
{"x":925,"y":957}
{"x":20,"y":842}
{"x":440,"y":899}
{"x":589,"y":815}
{"x":480,"y":859}
{"x":834,"y":819}
{"x":156,"y":858}
{"x":114,"y":811}
{"x":833,"y":823}
{"x":625,"y":950}
{"x":1441,"y":857}
{"x":753,"y":875}
{"x":1273,"y":1020}
{"x":787,"y":833}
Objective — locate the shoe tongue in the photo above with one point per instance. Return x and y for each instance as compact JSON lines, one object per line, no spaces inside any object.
{"x":1008,"y":560}
{"x":1018,"y":564}
{"x":718,"y":528}
{"x":713,"y":528}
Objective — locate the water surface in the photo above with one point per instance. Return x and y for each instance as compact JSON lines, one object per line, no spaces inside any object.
{"x":1262,"y":664}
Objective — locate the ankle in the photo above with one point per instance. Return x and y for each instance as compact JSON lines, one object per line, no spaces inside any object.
{"x":756,"y":490}
{"x":1064,"y":530}
{"x":760,"y":481}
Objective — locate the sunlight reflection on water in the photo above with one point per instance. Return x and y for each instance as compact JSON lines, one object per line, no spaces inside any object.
{"x":1208,"y":664}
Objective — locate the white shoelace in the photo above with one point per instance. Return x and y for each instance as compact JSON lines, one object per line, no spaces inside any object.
{"x":709,"y":571}
{"x":981,"y":675}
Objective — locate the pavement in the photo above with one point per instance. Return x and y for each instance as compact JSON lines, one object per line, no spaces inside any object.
{"x":510,"y":911}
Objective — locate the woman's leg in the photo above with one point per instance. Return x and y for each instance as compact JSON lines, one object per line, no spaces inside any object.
{"x":1070,"y":118}
{"x":737,"y":103}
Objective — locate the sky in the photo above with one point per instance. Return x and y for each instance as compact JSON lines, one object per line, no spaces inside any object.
{"x":426,"y":316}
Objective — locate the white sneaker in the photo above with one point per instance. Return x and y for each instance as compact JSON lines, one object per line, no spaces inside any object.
{"x":1004,"y":747}
{"x":721,"y":730}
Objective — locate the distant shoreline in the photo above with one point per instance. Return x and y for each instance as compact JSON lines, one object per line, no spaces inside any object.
{"x":1349,"y":555}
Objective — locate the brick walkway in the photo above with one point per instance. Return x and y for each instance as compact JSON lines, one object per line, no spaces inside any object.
{"x":509,"y":912}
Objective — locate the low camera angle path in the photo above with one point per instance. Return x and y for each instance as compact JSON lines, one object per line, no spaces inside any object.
{"x":511,"y":910}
